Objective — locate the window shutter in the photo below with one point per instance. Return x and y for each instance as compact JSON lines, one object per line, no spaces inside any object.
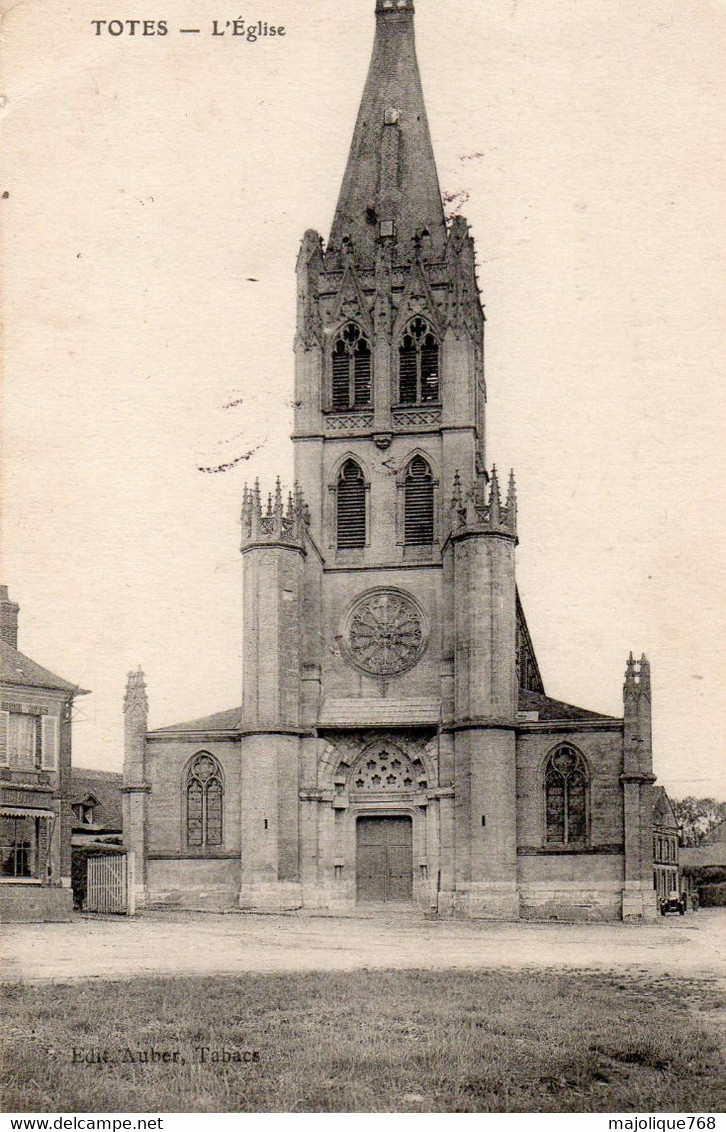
{"x":4,"y":745}
{"x":341,"y":379}
{"x":363,"y":374}
{"x":419,"y":505}
{"x":430,"y":369}
{"x":407,"y":359}
{"x":351,"y":508}
{"x":14,"y":739}
{"x":50,"y":743}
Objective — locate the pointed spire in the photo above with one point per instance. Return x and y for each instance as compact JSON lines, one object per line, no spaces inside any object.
{"x":495,"y":499}
{"x":283,"y":521}
{"x":638,"y":730}
{"x":390,"y":187}
{"x":645,"y":674}
{"x":135,"y":696}
{"x":512,"y":500}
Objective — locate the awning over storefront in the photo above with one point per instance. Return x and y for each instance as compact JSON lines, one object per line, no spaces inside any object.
{"x":26,"y":812}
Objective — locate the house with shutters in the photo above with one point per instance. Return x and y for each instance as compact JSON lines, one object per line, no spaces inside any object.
{"x":666,"y":845}
{"x":35,"y":774}
{"x":395,"y":743}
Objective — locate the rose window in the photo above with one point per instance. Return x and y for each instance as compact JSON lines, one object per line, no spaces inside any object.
{"x":385,"y":633}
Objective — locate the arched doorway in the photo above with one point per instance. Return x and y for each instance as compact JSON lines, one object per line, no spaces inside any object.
{"x":384,"y":859}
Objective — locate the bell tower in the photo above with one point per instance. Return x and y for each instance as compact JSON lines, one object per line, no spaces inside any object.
{"x":400,"y":605}
{"x":389,"y":343}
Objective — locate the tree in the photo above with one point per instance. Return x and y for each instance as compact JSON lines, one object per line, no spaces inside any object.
{"x":698,"y":816}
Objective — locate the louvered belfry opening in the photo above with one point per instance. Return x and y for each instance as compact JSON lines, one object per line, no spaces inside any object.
{"x":418,"y":364}
{"x":351,"y":370}
{"x":351,"y":507}
{"x":419,"y":504}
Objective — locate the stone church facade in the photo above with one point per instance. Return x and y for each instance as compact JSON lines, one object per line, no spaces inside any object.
{"x":395,"y":743}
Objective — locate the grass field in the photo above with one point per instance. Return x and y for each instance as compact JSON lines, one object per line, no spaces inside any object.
{"x":382,"y":1041}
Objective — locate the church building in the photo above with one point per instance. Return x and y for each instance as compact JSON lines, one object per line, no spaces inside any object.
{"x":395,"y":743}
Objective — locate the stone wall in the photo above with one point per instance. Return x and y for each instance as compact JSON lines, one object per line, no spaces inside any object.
{"x":571,"y":886}
{"x":342,"y":679}
{"x":166,"y":763}
{"x":195,"y":885}
{"x":28,"y":904}
{"x":555,"y":883}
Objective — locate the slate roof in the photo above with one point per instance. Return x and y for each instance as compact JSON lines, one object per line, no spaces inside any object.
{"x":711,"y":851}
{"x":15,"y":668}
{"x":703,"y":855}
{"x":220,"y":721}
{"x":553,"y":711}
{"x":393,"y":85}
{"x":105,"y":787}
{"x":377,"y":711}
{"x":663,"y":812}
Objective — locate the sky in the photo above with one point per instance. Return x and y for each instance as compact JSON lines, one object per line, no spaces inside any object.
{"x":155,"y":194}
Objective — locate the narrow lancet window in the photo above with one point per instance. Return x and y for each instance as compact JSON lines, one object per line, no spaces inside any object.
{"x":352,"y":370}
{"x":418,"y":504}
{"x":566,"y":798}
{"x":205,"y":796}
{"x":351,"y":507}
{"x":418,"y":364}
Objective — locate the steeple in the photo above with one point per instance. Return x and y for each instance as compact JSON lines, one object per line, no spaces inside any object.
{"x":391,"y":187}
{"x":135,"y":696}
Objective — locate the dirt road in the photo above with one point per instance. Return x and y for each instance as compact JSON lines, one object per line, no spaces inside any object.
{"x":198,"y":944}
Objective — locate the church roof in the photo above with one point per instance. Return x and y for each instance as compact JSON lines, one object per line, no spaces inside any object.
{"x":391,"y":173}
{"x":15,"y":668}
{"x":549,"y":710}
{"x":380,"y":711}
{"x":220,"y":721}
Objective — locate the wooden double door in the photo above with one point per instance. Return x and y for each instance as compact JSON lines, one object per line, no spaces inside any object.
{"x":384,"y":862}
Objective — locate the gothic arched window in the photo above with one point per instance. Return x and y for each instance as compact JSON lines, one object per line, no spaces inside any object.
{"x":351,"y":507}
{"x":351,"y":370}
{"x":418,"y":364}
{"x":204,"y":796}
{"x":566,"y":798}
{"x":418,"y":504}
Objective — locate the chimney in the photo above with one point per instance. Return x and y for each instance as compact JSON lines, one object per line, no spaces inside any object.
{"x":8,"y":618}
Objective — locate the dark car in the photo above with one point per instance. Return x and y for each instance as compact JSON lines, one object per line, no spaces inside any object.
{"x":673,"y":902}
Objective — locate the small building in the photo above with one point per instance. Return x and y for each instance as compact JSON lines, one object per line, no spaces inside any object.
{"x":96,"y":807}
{"x":666,"y":839}
{"x":704,"y":867}
{"x":36,"y":710}
{"x":97,"y":823}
